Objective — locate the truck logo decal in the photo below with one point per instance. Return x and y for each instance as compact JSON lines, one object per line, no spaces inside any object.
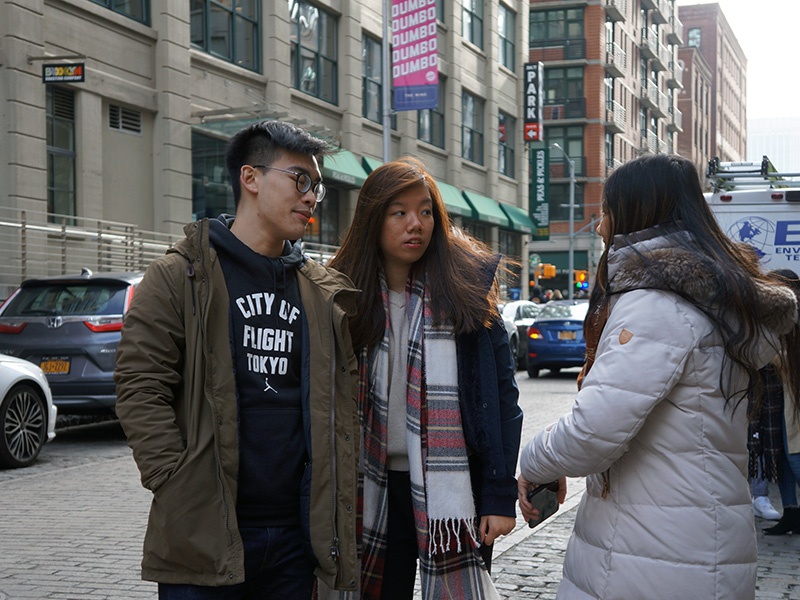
{"x":756,"y":232}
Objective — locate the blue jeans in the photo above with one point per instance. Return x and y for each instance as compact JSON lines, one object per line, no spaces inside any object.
{"x":790,"y":475}
{"x":275,"y":567}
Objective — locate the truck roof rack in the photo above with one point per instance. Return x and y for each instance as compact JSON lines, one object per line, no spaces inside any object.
{"x":728,"y":176}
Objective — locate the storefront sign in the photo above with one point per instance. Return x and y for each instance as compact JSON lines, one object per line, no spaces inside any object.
{"x":415,"y":54}
{"x":72,"y":72}
{"x":539,"y":201}
{"x":534,"y":75}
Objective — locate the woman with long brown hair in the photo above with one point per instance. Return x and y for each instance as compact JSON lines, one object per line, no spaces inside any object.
{"x":438,"y":402}
{"x":680,"y":320}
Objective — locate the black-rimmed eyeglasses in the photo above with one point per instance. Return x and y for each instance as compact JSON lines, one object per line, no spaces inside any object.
{"x":303,"y":181}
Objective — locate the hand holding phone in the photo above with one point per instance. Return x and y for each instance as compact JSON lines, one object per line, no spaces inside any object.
{"x":544,"y":498}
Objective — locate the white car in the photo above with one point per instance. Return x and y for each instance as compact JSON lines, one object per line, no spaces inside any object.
{"x":27,"y":413}
{"x":520,"y":314}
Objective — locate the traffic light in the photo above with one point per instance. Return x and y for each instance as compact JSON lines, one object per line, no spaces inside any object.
{"x":582,"y":280}
{"x":545,"y":271}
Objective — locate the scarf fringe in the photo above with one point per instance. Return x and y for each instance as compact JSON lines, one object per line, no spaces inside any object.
{"x":452,"y":529}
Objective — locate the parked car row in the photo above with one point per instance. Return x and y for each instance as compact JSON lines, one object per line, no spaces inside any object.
{"x":59,"y":336}
{"x":66,"y":330}
{"x":546,"y":336}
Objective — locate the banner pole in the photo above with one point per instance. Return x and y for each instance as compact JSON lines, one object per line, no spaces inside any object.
{"x":386,"y":84}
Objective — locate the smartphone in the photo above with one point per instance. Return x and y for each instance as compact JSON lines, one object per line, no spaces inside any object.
{"x":544,"y":498}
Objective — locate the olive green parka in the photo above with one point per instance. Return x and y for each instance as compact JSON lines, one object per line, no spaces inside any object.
{"x":176,"y":401}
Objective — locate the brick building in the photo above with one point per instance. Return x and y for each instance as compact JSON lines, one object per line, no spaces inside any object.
{"x":611,"y":84}
{"x":694,"y":102}
{"x":708,"y":31}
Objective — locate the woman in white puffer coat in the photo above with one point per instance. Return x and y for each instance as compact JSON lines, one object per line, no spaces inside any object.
{"x":680,"y":320}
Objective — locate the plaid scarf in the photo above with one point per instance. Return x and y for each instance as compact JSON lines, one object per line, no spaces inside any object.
{"x":444,"y":512}
{"x":765,"y":439}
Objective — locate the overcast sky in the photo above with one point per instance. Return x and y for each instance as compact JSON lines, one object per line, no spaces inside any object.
{"x":768,"y":32}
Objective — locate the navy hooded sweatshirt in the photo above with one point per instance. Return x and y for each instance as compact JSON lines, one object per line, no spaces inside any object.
{"x":266,"y":334}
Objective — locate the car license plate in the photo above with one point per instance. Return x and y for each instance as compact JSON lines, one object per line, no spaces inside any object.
{"x":52,"y":365}
{"x":566,"y":335}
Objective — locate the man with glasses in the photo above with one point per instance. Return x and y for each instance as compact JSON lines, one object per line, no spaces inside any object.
{"x":236,"y":387}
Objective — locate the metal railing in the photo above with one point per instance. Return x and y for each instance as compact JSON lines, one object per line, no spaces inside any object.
{"x":616,"y":116}
{"x":616,"y":59}
{"x":616,"y":9}
{"x":564,"y":108}
{"x":561,"y":49}
{"x":40,"y":244}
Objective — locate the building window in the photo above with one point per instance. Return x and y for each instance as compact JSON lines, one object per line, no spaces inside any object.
{"x":506,"y":129}
{"x":563,"y":94}
{"x":430,"y":122}
{"x":138,"y":10}
{"x":227,"y":30}
{"x":371,"y":60}
{"x":323,"y":227}
{"x":571,"y":140}
{"x":556,"y":24}
{"x":609,"y":149}
{"x":60,"y":115}
{"x":506,"y":26}
{"x":472,"y":128}
{"x":211,"y":185}
{"x":472,"y":21}
{"x":693,"y":37}
{"x":563,"y":83}
{"x":559,"y":202}
{"x":124,"y":119}
{"x":314,"y":51}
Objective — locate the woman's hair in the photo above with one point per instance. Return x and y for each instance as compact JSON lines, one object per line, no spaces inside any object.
{"x":459,"y":268}
{"x":665,"y":190}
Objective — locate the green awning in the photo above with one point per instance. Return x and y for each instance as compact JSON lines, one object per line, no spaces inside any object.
{"x":344,"y":168}
{"x":487,"y":209}
{"x":370,"y":164}
{"x":520,"y":221}
{"x":456,"y":205}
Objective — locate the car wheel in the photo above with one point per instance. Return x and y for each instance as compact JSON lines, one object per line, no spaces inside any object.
{"x":24,"y":422}
{"x":533,"y":371}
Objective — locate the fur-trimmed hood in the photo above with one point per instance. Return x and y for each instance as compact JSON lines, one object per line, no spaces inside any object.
{"x":676,"y":267}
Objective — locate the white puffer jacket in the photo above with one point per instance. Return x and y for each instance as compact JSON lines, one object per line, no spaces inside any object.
{"x":676,"y":520}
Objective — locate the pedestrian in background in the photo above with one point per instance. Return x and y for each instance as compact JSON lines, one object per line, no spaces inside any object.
{"x":680,"y":321}
{"x":437,"y":397}
{"x":776,"y":449}
{"x":236,"y":387}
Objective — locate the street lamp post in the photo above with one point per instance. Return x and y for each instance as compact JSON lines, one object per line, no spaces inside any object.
{"x":570,"y":283}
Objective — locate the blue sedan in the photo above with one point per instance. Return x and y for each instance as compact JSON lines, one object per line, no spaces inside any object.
{"x":555,"y":338}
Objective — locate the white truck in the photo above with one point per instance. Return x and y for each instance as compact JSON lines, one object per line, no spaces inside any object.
{"x":757,"y":205}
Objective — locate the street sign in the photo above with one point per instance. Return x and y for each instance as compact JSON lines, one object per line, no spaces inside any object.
{"x":534,"y":75}
{"x":59,"y":73}
{"x":539,"y":197}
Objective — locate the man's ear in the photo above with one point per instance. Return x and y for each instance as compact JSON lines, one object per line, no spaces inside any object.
{"x":247,"y":179}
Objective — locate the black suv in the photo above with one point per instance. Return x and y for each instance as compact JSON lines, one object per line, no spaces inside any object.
{"x":70,"y":327}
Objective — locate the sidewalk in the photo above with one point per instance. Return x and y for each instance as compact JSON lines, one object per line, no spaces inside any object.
{"x":75,"y":533}
{"x":527,"y":563}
